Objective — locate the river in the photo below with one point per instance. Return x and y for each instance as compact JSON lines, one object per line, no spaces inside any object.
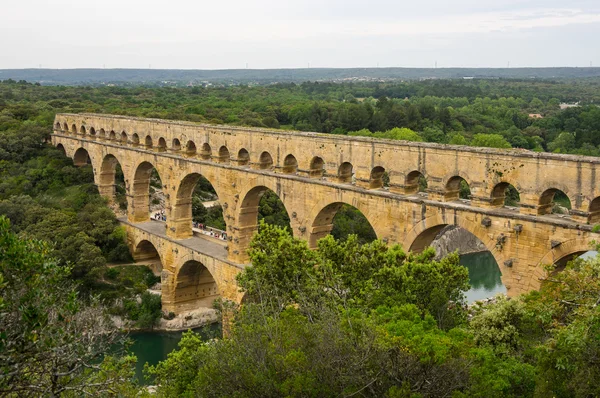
{"x":153,"y":347}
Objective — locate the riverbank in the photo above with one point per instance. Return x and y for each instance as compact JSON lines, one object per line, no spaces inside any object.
{"x":452,"y":238}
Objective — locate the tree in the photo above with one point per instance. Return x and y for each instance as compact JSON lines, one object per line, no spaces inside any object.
{"x":335,"y":321}
{"x":564,"y":143}
{"x":51,"y":342}
{"x":490,"y":141}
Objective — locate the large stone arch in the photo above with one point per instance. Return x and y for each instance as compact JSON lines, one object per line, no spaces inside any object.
{"x":497,"y":191}
{"x":140,"y":195}
{"x":81,"y":157}
{"x":423,"y":233}
{"x":247,"y":216}
{"x":319,"y":221}
{"x":180,"y":218}
{"x":560,"y":255}
{"x":105,"y":175}
{"x":61,"y":148}
{"x":146,"y":251}
{"x":194,"y":286}
{"x":546,"y":198}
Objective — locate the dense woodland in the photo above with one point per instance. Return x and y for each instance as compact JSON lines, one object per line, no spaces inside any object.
{"x":348,"y":319}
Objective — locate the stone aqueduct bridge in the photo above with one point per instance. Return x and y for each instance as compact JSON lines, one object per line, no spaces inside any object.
{"x":314,"y":174}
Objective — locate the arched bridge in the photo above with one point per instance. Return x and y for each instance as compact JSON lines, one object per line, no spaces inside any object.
{"x":314,"y":174}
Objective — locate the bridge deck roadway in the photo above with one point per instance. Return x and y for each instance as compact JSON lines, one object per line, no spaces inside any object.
{"x":199,"y":243}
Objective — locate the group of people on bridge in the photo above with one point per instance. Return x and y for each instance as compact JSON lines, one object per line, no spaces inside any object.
{"x":206,"y":230}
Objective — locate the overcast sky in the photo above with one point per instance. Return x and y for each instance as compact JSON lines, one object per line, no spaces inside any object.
{"x":219,"y":34}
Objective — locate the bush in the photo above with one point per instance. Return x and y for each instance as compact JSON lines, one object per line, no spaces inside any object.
{"x":111,"y":273}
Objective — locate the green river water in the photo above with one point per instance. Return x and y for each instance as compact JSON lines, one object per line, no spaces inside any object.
{"x":153,"y":347}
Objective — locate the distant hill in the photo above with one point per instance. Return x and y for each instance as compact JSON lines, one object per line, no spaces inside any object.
{"x":267,"y":76}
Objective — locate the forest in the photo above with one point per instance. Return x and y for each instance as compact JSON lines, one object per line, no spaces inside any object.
{"x":354,"y":317}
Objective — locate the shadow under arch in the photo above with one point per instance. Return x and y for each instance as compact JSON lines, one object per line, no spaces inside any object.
{"x":145,"y":252}
{"x":140,"y":200}
{"x":345,"y":173}
{"x":456,"y":188}
{"x":594,"y":210}
{"x":109,"y":181}
{"x":290,"y":164}
{"x":324,"y":224}
{"x":265,"y":161}
{"x":190,"y":149}
{"x":415,"y":182}
{"x":243,"y":158}
{"x":181,"y":217}
{"x":376,"y":177}
{"x":61,"y":148}
{"x":316,"y":167}
{"x":162,"y":144}
{"x":81,"y":157}
{"x":195,"y":287}
{"x":224,"y":156}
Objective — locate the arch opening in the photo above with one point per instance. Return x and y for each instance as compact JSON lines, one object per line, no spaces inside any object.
{"x":457,"y":188}
{"x":162,"y":144}
{"x":290,"y":164}
{"x":175,"y":145}
{"x":135,"y":139}
{"x":505,"y":194}
{"x":92,"y":131}
{"x":81,"y":157}
{"x":345,"y":173}
{"x":112,"y":136}
{"x":485,"y":276}
{"x":146,"y":253}
{"x":82,"y":130}
{"x":66,"y":127}
{"x":377,"y":177}
{"x":259,"y":203}
{"x":317,"y":167}
{"x":195,"y":287}
{"x":57,"y":126}
{"x":73,"y":129}
{"x":554,"y":201}
{"x":206,"y":152}
{"x":224,"y":156}
{"x":190,"y":148}
{"x":148,"y":142}
{"x":61,"y":148}
{"x":415,"y":182}
{"x":341,"y":220}
{"x":112,"y":182}
{"x":243,"y":157}
{"x":197,"y":209}
{"x":124,"y":138}
{"x":265,"y":162}
{"x":101,"y":134}
{"x":148,"y":200}
{"x":594,"y":210}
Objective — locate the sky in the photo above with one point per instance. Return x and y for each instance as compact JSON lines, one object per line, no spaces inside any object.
{"x":260,"y":34}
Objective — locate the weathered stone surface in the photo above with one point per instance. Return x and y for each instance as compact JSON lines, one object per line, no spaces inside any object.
{"x":452,"y":239}
{"x":313,"y":175}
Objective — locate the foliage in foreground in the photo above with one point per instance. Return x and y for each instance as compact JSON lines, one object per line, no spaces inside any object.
{"x":352,"y":320}
{"x":51,"y":343}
